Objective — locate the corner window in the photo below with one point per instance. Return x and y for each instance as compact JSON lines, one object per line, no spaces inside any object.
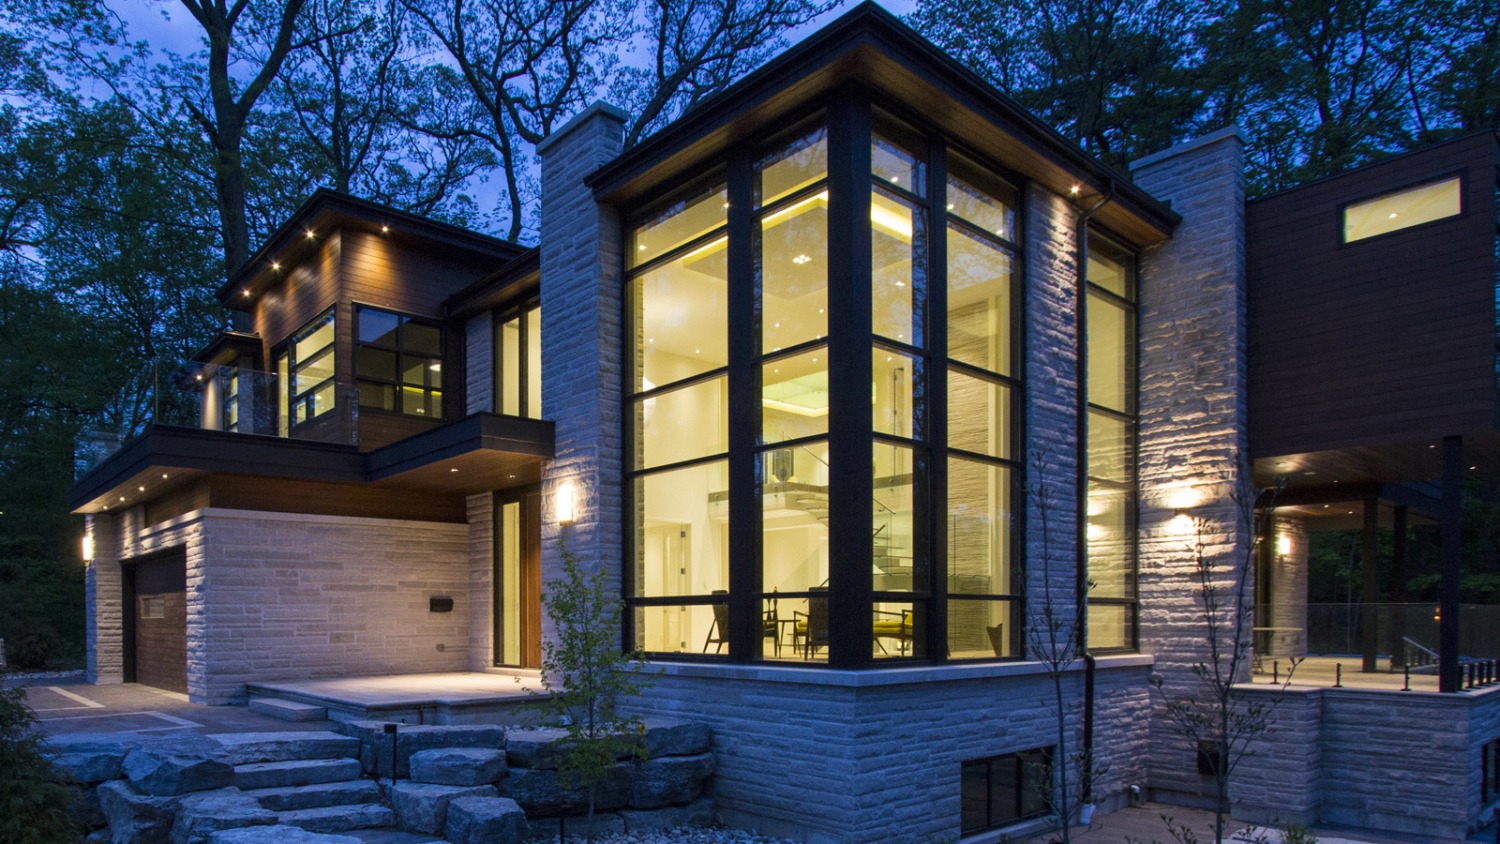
{"x":1403,"y":209}
{"x":1003,"y":790}
{"x":398,"y":363}
{"x":229,"y":409}
{"x":306,"y":367}
{"x":518,"y":362}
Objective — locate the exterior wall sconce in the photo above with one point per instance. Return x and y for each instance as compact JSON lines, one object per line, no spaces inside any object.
{"x":87,"y":548}
{"x":1284,"y":545}
{"x":563,"y":503}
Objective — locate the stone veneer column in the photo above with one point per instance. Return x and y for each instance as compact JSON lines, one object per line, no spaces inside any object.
{"x":1289,"y":587}
{"x":582,"y":344}
{"x":104,"y":623}
{"x":1050,"y":369}
{"x":481,"y":516}
{"x":1192,"y":416}
{"x":479,"y":364}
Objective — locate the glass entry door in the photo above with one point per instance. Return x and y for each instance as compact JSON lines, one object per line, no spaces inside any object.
{"x":518,"y":579}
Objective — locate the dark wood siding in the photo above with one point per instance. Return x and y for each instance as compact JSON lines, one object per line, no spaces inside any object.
{"x":308,"y":288}
{"x":183,"y":499}
{"x":1382,"y":340}
{"x":160,"y":635}
{"x":282,"y":495}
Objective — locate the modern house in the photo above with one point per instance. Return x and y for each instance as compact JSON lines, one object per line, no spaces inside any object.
{"x":849,"y":379}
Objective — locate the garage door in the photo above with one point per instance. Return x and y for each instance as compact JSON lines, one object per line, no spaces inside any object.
{"x":157,"y":644}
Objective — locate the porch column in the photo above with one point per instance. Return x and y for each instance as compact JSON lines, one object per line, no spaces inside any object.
{"x":1398,"y":591}
{"x":1369,"y":593}
{"x":1452,"y":563}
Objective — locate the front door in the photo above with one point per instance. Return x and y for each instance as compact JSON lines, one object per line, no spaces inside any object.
{"x":156,"y":630}
{"x":518,"y":579}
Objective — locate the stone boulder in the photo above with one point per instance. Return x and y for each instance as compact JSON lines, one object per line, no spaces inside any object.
{"x":676,"y":738}
{"x":458,"y":766}
{"x":250,"y":748}
{"x":279,"y":835}
{"x":207,"y":812}
{"x":169,"y":770}
{"x":89,"y":767}
{"x":535,"y":747}
{"x":136,"y":818}
{"x":695,"y":815}
{"x":423,"y":807}
{"x":540,"y":793}
{"x":485,"y":820}
{"x":375,"y":745}
{"x":670,"y":780}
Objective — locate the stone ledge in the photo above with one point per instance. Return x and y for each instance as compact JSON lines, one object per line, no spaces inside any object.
{"x":883,"y":676}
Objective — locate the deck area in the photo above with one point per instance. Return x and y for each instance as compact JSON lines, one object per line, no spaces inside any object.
{"x":456,"y":698}
{"x":1323,"y":671}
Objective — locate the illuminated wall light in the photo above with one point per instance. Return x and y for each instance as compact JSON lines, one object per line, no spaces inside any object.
{"x":87,"y":549}
{"x":1075,"y":190}
{"x":385,"y":229}
{"x":276,"y":265}
{"x":310,"y":234}
{"x":1284,"y":545}
{"x":1183,"y":496}
{"x":563,"y":503}
{"x":246,"y":292}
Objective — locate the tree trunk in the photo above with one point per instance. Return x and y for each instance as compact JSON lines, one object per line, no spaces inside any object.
{"x":229,"y":184}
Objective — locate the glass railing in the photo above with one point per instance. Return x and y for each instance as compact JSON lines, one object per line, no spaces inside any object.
{"x":222,"y":398}
{"x":1407,"y":633}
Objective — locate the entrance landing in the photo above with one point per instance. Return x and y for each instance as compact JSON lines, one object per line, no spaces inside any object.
{"x":442,"y":699}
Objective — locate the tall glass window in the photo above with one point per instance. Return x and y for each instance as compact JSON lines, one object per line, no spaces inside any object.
{"x":678,"y":330}
{"x":1110,"y":320}
{"x":306,"y":367}
{"x":518,"y":362}
{"x":398,"y":363}
{"x":983,"y":586}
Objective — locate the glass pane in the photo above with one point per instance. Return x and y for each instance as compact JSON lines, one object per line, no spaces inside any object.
{"x":892,"y":628}
{"x":324,"y":399}
{"x":794,"y":518}
{"x":314,"y":340}
{"x":896,"y":235}
{"x":978,"y":415}
{"x":979,"y":283}
{"x":510,"y":584}
{"x":1110,"y":626}
{"x":283,"y":400}
{"x":1036,"y":782}
{"x":692,"y":629}
{"x":1403,"y":210}
{"x":801,"y":624}
{"x":1111,"y":542}
{"x":681,"y":317}
{"x":534,"y":363}
{"x":313,"y":372}
{"x":377,"y":327}
{"x":510,"y":367}
{"x":979,"y":521}
{"x":974,"y":797}
{"x":1109,"y":268}
{"x":682,"y":424}
{"x":794,"y":396}
{"x":1110,"y":354}
{"x":979,"y":629}
{"x":981,"y":198}
{"x":382,"y":396}
{"x":1005,"y":788}
{"x":794,"y":274}
{"x":375,"y":363}
{"x":1110,"y":454}
{"x":894,"y":541}
{"x":796,"y":166}
{"x":692,"y":216}
{"x":894,"y":164}
{"x":422,"y":372}
{"x":435,"y":404}
{"x":422,"y":339}
{"x":684,"y":524}
{"x":418,"y":402}
{"x":896,"y":380}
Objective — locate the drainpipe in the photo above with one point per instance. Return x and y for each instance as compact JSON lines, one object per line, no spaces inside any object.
{"x":1081,"y":585}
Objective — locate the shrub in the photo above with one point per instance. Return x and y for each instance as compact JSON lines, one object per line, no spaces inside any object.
{"x":34,"y":807}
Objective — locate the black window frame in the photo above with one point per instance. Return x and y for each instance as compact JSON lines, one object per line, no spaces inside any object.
{"x":520,"y":311}
{"x":433,"y":396}
{"x":1026,"y":765}
{"x":288,"y":350}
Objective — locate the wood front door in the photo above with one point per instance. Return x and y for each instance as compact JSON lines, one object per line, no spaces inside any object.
{"x":518,"y":579}
{"x":156,"y":636}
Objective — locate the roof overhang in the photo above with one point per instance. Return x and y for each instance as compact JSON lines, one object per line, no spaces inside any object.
{"x":328,"y":210}
{"x":869,"y":46}
{"x":520,"y":276}
{"x":484,"y":451}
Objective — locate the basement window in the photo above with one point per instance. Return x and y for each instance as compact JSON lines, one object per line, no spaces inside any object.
{"x":1403,"y":209}
{"x":1489,"y":770}
{"x":1003,"y":790}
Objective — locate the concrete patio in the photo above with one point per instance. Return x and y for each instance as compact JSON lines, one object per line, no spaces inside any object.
{"x":447,"y":698}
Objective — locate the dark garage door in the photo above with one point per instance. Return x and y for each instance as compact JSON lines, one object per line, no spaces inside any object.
{"x":156,"y":640}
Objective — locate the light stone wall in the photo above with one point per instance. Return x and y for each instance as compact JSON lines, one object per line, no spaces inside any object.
{"x":582,"y":345}
{"x":102,"y":596}
{"x":1288,"y":588}
{"x":481,"y":510}
{"x":479,"y":364}
{"x":1192,"y":421}
{"x":823,"y":756}
{"x":279,"y":596}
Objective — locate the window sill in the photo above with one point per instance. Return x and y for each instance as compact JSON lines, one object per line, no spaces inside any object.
{"x":873,"y":677}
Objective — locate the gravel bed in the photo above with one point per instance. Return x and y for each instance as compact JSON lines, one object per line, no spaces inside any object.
{"x":26,"y":678}
{"x":722,"y":835}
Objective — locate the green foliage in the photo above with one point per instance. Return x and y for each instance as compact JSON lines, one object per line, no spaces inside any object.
{"x":587,"y":674}
{"x":34,"y":809}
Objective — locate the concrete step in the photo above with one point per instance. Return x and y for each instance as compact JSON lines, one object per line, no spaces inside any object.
{"x":339,"y":818}
{"x":291,"y":798}
{"x":248,"y":748}
{"x":295,"y":772}
{"x":288,"y":710}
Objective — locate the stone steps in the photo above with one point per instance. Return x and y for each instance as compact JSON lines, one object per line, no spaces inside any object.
{"x":254,"y":775}
{"x":339,"y":818}
{"x":250,"y":748}
{"x":288,"y":710}
{"x":350,"y":793}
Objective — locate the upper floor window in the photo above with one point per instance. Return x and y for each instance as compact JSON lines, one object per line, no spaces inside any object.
{"x":518,"y":362}
{"x":305,"y":366}
{"x":1403,"y":209}
{"x":398,"y":363}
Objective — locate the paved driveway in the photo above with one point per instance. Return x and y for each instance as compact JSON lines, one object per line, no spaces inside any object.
{"x":75,"y":707}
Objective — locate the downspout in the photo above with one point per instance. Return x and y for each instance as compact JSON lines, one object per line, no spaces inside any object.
{"x":1081,"y":585}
